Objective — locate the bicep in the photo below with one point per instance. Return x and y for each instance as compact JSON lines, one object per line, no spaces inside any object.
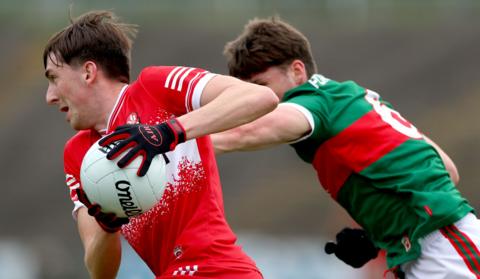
{"x":215,"y":86}
{"x":285,"y":124}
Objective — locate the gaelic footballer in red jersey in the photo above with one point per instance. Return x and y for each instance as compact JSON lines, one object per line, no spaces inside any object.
{"x":186,"y":232}
{"x":193,"y":189}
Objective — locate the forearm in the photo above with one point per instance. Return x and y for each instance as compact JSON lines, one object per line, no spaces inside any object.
{"x":244,"y":139}
{"x":102,"y":258}
{"x":235,"y":106}
{"x":283,"y":125}
{"x":228,"y":141}
{"x":102,"y":249}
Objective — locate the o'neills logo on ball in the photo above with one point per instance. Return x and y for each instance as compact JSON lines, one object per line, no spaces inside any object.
{"x":125,"y":198}
{"x":151,"y":134}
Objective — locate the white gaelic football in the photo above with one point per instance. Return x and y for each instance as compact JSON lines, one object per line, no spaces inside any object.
{"x":121,"y":191}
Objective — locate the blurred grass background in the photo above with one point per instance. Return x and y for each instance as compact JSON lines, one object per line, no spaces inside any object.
{"x":422,"y":56}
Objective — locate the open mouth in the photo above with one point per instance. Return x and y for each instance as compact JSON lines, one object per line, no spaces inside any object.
{"x":64,"y":109}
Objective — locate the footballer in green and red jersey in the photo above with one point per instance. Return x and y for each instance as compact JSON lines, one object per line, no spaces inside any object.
{"x":376,"y":165}
{"x":394,"y":181}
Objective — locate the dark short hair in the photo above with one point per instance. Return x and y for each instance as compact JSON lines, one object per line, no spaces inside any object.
{"x":265,"y":43}
{"x":98,"y":36}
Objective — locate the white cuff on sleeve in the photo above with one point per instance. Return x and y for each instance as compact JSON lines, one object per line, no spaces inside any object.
{"x":77,"y":205}
{"x":308,"y":115}
{"x":198,"y":91}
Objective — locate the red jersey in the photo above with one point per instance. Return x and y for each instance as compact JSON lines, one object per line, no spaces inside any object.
{"x":186,"y":232}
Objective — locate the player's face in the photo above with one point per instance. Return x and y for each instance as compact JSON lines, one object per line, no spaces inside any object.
{"x":279,"y":79}
{"x":68,"y":91}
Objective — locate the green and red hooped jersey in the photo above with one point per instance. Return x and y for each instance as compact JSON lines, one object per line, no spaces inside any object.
{"x":376,"y":165}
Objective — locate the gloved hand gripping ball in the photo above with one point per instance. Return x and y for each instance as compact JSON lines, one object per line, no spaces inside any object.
{"x":145,"y":140}
{"x":108,"y":221}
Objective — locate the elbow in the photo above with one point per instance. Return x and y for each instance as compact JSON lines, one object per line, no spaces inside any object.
{"x":455,"y":177}
{"x":273,"y":99}
{"x":269,"y":99}
{"x":88,"y":260}
{"x":456,"y":180}
{"x":453,"y":172}
{"x":89,"y":257}
{"x":104,"y":266}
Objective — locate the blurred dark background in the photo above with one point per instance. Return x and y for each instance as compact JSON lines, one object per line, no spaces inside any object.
{"x":422,"y":56}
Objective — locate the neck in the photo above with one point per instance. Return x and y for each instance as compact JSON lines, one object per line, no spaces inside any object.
{"x":108,"y":93}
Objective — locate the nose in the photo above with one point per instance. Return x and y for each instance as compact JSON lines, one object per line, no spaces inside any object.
{"x":51,"y":97}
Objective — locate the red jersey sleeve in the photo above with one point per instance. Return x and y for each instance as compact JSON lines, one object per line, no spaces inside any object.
{"x":179,"y":88}
{"x":74,"y":151}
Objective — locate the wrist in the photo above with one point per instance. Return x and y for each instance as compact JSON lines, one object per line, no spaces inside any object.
{"x":177,"y":130}
{"x":109,"y":229}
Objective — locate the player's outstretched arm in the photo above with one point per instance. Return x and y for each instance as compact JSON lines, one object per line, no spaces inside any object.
{"x":447,"y":161}
{"x":227,"y":102}
{"x":284,"y":124}
{"x":102,"y":249}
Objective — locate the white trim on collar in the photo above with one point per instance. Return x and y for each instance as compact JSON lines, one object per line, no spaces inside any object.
{"x":115,"y":109}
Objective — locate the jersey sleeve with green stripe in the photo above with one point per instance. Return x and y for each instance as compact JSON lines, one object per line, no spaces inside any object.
{"x":376,"y":165}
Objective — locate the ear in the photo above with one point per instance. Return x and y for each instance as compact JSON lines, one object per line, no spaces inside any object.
{"x":90,"y":72}
{"x":299,"y":72}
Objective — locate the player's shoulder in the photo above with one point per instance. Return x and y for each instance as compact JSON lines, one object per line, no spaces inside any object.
{"x":156,"y":70}
{"x":155,"y":75}
{"x":302,"y":90}
{"x":322,"y":87}
{"x":76,"y":147}
{"x":82,"y":139}
{"x":167,"y":73}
